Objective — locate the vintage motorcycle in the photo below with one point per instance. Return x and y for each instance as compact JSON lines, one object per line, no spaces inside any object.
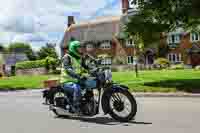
{"x":114,"y":98}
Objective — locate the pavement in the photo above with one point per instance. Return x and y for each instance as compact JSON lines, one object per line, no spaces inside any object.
{"x":23,"y":112}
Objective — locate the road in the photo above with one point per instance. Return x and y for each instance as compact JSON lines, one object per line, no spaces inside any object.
{"x":23,"y":112}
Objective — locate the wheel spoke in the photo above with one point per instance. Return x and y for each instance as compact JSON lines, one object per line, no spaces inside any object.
{"x":116,"y":98}
{"x":127,"y":109}
{"x":122,"y":99}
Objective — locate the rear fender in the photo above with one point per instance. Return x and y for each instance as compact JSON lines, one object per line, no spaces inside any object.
{"x":107,"y":93}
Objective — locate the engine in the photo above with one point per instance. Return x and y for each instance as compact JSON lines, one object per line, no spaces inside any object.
{"x":60,"y":100}
{"x":89,"y":106}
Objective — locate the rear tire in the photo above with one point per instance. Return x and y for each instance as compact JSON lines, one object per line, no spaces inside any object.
{"x":59,"y":96}
{"x":133,"y":105}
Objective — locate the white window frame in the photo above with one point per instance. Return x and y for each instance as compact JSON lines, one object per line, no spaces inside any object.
{"x":178,"y":57}
{"x":106,"y":61}
{"x":130,"y":59}
{"x":105,"y":45}
{"x":89,"y":46}
{"x":128,"y":42}
{"x":193,"y":37}
{"x":177,"y":38}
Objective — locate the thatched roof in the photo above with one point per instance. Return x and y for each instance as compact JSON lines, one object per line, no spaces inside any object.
{"x":104,"y":28}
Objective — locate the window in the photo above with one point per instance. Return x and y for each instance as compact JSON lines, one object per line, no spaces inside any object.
{"x":174,"y":38}
{"x":130,"y":42}
{"x":194,"y":37}
{"x":106,"y":61}
{"x":105,"y":45}
{"x":88,"y":46}
{"x":174,"y":58}
{"x":130,"y":59}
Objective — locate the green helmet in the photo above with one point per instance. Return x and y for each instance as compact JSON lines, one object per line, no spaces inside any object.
{"x":73,"y":49}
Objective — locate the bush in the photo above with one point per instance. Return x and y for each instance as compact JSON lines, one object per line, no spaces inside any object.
{"x":1,"y":74}
{"x":30,"y":64}
{"x":13,"y":70}
{"x":197,"y":68}
{"x":56,"y":72}
{"x":176,"y":67}
{"x":114,"y":69}
{"x":51,"y":63}
{"x":162,"y":62}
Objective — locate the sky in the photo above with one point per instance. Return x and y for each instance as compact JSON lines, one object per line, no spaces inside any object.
{"x":40,"y":21}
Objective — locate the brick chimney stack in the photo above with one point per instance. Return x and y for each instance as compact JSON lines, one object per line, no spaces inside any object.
{"x":71,"y":20}
{"x":125,"y":6}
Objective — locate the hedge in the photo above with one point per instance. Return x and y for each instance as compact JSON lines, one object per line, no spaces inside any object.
{"x":162,"y":61}
{"x":30,"y":64}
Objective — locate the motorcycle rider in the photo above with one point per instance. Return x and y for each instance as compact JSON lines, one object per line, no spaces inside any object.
{"x":73,"y":72}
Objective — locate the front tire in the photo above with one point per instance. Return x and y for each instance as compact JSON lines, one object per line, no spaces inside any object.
{"x":117,"y":107}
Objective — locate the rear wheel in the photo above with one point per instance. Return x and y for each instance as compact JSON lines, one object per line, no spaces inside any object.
{"x":58,"y":101}
{"x":123,"y":106}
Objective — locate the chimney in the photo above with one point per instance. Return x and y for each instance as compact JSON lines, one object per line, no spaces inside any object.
{"x":70,"y":20}
{"x":125,"y":6}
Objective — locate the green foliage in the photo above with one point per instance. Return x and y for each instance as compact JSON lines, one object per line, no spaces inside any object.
{"x":162,"y":61}
{"x":176,"y":67}
{"x":155,"y":16}
{"x":47,"y":51}
{"x":13,"y":71}
{"x":22,"y":48}
{"x":1,"y":48}
{"x":48,"y":63}
{"x":57,"y":72}
{"x":114,"y":69}
{"x":1,"y":74}
{"x":51,"y":63}
{"x":174,"y":13}
{"x":163,"y":50}
{"x":30,"y":64}
{"x":197,"y":68}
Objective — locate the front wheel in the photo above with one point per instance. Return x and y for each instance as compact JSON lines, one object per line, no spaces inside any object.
{"x":123,"y":106}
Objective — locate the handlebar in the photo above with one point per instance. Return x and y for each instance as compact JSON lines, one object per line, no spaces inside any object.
{"x":96,"y":67}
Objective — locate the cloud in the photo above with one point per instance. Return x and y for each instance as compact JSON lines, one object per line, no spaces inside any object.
{"x":29,"y":16}
{"x":37,"y":37}
{"x":34,"y":20}
{"x":113,"y":7}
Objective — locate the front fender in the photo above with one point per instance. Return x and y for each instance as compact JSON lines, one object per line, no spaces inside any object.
{"x":107,"y":93}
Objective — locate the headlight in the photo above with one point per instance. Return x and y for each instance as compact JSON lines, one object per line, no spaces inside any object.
{"x":108,"y":75}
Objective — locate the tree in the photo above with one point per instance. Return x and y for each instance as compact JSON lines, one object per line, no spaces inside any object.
{"x":1,"y":48}
{"x":47,"y":51}
{"x":155,"y":16}
{"x":22,"y":48}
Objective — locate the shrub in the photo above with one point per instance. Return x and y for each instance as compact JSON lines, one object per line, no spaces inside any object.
{"x":197,"y":68}
{"x":114,"y":69}
{"x":51,"y":63}
{"x":13,"y":70}
{"x":176,"y":67}
{"x":1,"y":74}
{"x":48,"y":63}
{"x":56,"y":71}
{"x":30,"y":64}
{"x":162,"y":62}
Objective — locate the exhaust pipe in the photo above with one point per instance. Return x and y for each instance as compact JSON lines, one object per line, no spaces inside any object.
{"x":60,"y":111}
